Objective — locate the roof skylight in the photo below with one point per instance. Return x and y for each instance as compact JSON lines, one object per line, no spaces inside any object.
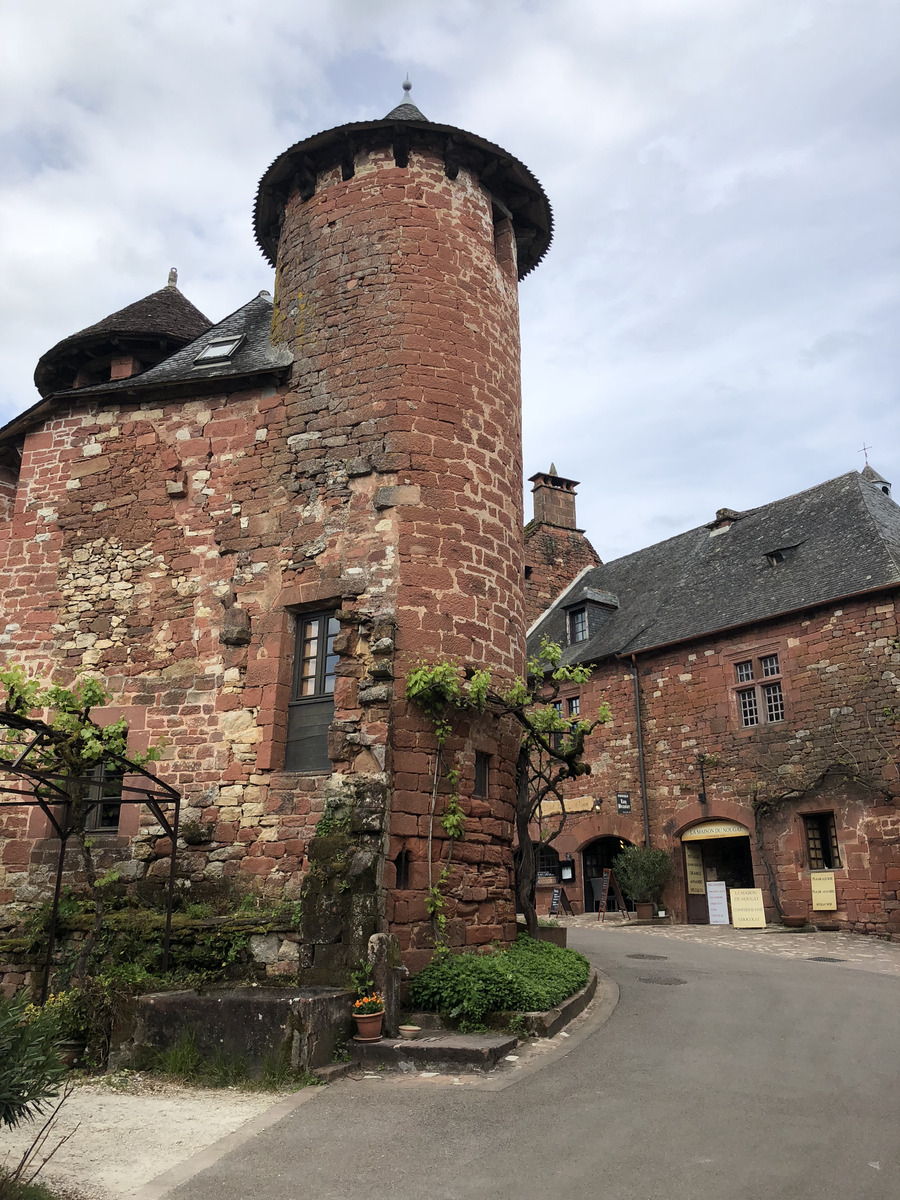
{"x":218,"y":351}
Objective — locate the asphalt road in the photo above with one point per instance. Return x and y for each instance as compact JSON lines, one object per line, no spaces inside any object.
{"x":753,"y":1077}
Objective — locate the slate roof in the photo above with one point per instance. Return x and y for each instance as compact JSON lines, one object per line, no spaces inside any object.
{"x":255,"y":355}
{"x":509,"y":179}
{"x":839,"y":538}
{"x":165,"y":314}
{"x":405,"y":111}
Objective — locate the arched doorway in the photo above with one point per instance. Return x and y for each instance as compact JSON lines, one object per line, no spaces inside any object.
{"x":715,"y":851}
{"x":596,"y":857}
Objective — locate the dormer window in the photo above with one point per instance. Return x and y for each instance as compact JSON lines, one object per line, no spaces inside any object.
{"x":586,"y":613}
{"x":578,"y":625}
{"x":779,"y":555}
{"x":218,"y":351}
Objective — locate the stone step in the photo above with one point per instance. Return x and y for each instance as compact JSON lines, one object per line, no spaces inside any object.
{"x":436,"y":1049}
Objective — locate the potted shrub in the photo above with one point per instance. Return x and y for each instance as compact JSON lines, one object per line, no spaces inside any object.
{"x":643,"y":873}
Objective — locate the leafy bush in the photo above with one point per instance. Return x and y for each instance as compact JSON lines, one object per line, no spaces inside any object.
{"x":30,"y":1067}
{"x":642,"y":872}
{"x":530,"y":977}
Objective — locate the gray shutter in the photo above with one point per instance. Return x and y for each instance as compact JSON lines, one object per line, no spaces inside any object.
{"x":307,"y":735}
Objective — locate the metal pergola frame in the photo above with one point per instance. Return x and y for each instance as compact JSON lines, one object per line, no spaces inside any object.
{"x":51,"y":792}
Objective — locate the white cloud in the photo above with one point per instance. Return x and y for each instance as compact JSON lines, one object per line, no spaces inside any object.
{"x":715,"y":322}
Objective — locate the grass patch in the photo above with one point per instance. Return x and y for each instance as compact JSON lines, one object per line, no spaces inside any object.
{"x":528,"y":977}
{"x":187,"y":1062}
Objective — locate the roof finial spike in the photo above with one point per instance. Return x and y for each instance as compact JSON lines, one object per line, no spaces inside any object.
{"x":173,"y":276}
{"x":553,"y":470}
{"x":407,"y":86}
{"x":865,"y":450}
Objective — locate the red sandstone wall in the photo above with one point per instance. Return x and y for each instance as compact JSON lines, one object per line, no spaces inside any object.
{"x":841,"y":678}
{"x":553,"y":557}
{"x":100,"y":569}
{"x":385,"y":482}
{"x":401,"y":311}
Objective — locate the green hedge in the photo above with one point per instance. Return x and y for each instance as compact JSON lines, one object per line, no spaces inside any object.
{"x":528,"y":977}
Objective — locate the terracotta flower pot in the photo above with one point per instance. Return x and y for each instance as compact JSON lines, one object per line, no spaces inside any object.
{"x":368,"y":1026}
{"x":643,"y":910}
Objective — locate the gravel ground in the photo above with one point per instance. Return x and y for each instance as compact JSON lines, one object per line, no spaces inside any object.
{"x":131,"y":1128}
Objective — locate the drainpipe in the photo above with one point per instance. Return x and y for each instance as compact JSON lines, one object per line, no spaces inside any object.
{"x":640,"y":743}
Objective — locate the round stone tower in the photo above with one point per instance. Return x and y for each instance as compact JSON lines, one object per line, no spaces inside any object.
{"x":398,"y":246}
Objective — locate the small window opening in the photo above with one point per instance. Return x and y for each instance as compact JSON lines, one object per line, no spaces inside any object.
{"x":504,"y":236}
{"x":821,"y":842}
{"x":401,"y":865}
{"x":528,"y":571}
{"x":106,"y":794}
{"x":547,"y":863}
{"x":482,"y":774}
{"x":574,"y":706}
{"x":744,"y":671}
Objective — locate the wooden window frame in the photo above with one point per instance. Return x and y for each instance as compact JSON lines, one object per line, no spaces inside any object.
{"x":106,"y":793}
{"x":766,"y":686}
{"x":577,"y":621}
{"x":481,"y":784}
{"x":311,"y":714}
{"x":545,"y":872}
{"x":816,"y":854}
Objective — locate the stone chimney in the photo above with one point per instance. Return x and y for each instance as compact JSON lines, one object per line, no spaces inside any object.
{"x":554,"y":499}
{"x":556,"y":550}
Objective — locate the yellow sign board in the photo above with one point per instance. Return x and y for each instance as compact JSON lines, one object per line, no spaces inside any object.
{"x":747,"y":910}
{"x":577,"y":804}
{"x":824,"y":898}
{"x":714,"y":829}
{"x":693,"y":859}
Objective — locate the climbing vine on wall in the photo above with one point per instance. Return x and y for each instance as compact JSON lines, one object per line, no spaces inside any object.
{"x":551,"y":752}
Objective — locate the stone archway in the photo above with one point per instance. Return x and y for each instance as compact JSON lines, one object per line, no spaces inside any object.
{"x":596,"y":857}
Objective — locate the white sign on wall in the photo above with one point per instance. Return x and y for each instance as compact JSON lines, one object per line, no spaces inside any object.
{"x":717,"y":899}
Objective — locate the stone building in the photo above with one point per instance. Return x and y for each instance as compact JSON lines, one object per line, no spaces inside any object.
{"x":753,"y":668}
{"x":250,"y":530}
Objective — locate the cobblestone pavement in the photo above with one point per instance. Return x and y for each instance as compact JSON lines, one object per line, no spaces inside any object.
{"x":856,"y":951}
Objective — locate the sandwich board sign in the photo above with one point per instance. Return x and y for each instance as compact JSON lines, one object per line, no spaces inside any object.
{"x":747,"y":911}
{"x":717,"y":899}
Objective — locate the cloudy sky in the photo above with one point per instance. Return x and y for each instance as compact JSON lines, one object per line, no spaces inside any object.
{"x":716,"y":323}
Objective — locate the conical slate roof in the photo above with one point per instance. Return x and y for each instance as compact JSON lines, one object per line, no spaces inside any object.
{"x":405,"y":128}
{"x":160,"y":323}
{"x":405,"y":111}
